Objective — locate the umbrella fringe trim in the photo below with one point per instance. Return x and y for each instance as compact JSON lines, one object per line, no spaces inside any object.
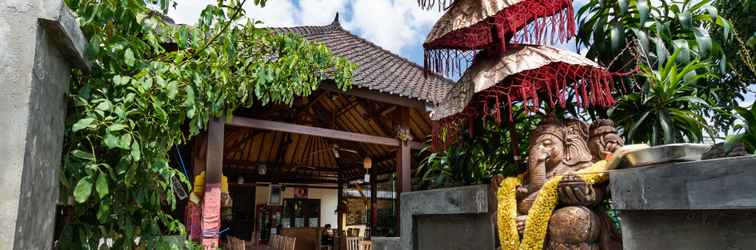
{"x":430,"y":4}
{"x":592,"y":87}
{"x":527,"y":22}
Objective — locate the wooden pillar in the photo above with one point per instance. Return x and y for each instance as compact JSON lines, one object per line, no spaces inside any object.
{"x":373,"y":202}
{"x":403,"y":160}
{"x":212,"y":198}
{"x":339,"y":217}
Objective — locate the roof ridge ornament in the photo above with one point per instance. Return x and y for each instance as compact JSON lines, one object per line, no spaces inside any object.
{"x":336,"y":20}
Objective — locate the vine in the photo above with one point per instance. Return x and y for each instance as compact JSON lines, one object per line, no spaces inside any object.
{"x":155,"y":85}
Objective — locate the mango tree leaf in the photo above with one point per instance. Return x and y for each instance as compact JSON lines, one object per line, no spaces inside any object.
{"x":102,"y":185}
{"x":83,"y":189}
{"x":704,"y":41}
{"x":661,"y":51}
{"x":617,"y":37}
{"x":623,"y":5}
{"x":643,"y":11}
{"x":83,"y":123}
{"x":136,"y":152}
{"x":125,"y":141}
{"x":104,"y":105}
{"x":116,"y":127}
{"x":685,"y":19}
{"x":682,"y":46}
{"x":111,"y":141}
{"x":82,"y":155}
{"x":172,"y":89}
{"x":642,"y":40}
{"x":128,"y":57}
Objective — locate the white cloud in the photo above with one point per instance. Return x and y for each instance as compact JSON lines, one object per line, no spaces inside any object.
{"x":392,"y":24}
{"x":188,"y":11}
{"x":276,"y":13}
{"x":320,"y":12}
{"x":396,"y":25}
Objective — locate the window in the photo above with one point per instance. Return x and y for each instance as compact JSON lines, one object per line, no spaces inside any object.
{"x":301,"y":213}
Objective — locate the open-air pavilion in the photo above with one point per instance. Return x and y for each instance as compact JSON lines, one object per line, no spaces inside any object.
{"x":321,"y":147}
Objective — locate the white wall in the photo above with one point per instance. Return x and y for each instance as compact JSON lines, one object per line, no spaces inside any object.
{"x":328,"y":201}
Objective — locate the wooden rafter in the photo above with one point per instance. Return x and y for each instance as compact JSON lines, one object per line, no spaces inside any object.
{"x":315,"y":131}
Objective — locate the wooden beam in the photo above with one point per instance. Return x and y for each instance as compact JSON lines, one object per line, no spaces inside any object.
{"x":315,"y":131}
{"x":377,"y":96}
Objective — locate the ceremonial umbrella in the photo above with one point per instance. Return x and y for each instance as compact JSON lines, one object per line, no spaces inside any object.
{"x":522,"y":74}
{"x":472,"y":25}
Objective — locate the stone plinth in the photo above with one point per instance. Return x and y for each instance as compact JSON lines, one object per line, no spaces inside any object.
{"x":707,"y":204}
{"x":385,"y":243}
{"x":451,"y":218}
{"x":40,"y":42}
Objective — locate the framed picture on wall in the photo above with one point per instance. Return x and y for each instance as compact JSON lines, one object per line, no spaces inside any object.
{"x":275,"y":197}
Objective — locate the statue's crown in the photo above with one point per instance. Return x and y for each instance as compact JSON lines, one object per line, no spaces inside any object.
{"x":550,"y":125}
{"x":602,"y":126}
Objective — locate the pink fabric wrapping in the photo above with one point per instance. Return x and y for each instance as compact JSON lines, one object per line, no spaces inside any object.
{"x":211,"y":208}
{"x":195,"y":225}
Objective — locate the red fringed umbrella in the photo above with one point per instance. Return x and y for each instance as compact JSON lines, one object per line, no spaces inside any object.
{"x":471,"y":25}
{"x":521,"y":74}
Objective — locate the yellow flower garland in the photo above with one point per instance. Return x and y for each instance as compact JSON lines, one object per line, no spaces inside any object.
{"x":539,"y":214}
{"x":507,"y":212}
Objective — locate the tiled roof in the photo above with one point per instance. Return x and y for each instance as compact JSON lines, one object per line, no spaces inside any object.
{"x":377,"y":68}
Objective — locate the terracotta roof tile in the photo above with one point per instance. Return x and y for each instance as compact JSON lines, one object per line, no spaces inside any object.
{"x":377,"y":68}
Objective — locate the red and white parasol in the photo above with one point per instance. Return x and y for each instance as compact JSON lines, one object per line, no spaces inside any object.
{"x":471,"y":25}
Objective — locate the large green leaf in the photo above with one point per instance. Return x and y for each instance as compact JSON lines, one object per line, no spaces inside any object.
{"x":83,"y":189}
{"x":102,"y":185}
{"x":83,"y":123}
{"x":704,"y":41}
{"x":643,"y":11}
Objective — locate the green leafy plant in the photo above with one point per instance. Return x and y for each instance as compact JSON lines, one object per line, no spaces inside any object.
{"x":741,"y":52}
{"x":657,"y":28}
{"x":474,"y":160}
{"x":155,"y":85}
{"x":745,"y":131}
{"x":664,"y":110}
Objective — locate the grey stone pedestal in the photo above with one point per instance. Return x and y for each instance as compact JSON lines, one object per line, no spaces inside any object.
{"x":707,"y":204}
{"x":450,"y":218}
{"x":40,"y":42}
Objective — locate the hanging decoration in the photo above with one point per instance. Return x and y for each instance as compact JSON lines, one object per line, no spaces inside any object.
{"x":472,"y":25}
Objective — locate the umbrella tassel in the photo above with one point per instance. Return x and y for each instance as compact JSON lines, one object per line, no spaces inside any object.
{"x":498,"y":111}
{"x":509,"y":105}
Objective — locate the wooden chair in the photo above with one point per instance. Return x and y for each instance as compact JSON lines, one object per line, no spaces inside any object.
{"x":275,"y":242}
{"x":353,"y":232}
{"x":366,"y":245}
{"x":289,"y":243}
{"x":353,"y":243}
{"x":233,"y":243}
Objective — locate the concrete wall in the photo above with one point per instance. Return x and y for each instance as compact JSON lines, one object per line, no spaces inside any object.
{"x":328,"y":200}
{"x":39,"y":41}
{"x":386,"y":243}
{"x":448,"y":218}
{"x":707,"y":204}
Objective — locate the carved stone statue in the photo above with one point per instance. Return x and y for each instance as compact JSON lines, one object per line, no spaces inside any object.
{"x":560,"y":148}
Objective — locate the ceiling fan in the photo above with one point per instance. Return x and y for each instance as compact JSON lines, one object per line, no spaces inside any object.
{"x":336,"y":149}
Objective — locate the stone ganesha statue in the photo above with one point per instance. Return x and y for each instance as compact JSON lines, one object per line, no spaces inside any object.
{"x":558,"y":148}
